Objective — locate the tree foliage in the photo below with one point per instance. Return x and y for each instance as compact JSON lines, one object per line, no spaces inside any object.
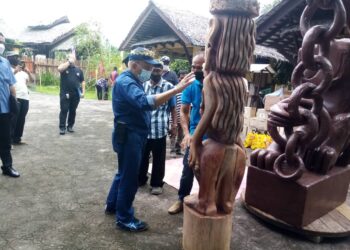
{"x":180,"y":64}
{"x":98,"y":55}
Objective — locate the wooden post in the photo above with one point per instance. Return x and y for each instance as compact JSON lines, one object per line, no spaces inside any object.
{"x":206,"y":232}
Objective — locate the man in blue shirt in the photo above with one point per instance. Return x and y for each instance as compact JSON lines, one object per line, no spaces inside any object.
{"x":131,"y":108}
{"x":191,"y":102}
{"x":7,"y":81}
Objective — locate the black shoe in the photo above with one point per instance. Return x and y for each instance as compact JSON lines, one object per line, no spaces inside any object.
{"x":10,"y":171}
{"x":134,"y":226}
{"x":70,"y":129}
{"x":62,"y":131}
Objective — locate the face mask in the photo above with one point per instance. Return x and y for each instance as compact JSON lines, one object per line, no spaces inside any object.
{"x":155,"y":78}
{"x":2,"y":48}
{"x":199,"y":76}
{"x":166,"y":68}
{"x":13,"y":61}
{"x":145,"y":75}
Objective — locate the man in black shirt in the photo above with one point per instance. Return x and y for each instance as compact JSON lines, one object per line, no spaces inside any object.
{"x":168,"y":74}
{"x":70,"y":93}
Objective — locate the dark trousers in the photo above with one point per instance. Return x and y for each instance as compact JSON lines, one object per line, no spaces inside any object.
{"x":5,"y":140}
{"x":102,"y":92}
{"x":19,"y":120}
{"x":125,"y":184}
{"x":68,"y":106}
{"x":158,"y":149}
{"x":187,"y":176}
{"x":99,"y":92}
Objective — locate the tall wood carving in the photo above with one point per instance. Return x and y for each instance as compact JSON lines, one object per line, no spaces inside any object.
{"x":219,"y":161}
{"x":305,"y":174}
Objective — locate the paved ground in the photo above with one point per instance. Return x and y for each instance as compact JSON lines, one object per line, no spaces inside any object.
{"x":58,"y":201}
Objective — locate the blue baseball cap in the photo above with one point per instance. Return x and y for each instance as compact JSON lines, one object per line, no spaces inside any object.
{"x":141,"y":54}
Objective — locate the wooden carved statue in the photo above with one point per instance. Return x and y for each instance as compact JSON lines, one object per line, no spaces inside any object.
{"x":305,"y":173}
{"x":316,"y":117}
{"x":219,"y":161}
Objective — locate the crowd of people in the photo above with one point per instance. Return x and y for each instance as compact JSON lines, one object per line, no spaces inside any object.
{"x":149,"y":103}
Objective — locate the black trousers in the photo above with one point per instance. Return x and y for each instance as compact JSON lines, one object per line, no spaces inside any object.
{"x":19,"y":120}
{"x":5,"y":140}
{"x":102,"y":92}
{"x":99,"y":92}
{"x":158,"y":149}
{"x":68,"y":107}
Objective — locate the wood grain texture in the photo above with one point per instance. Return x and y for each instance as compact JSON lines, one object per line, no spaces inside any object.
{"x":206,"y":232}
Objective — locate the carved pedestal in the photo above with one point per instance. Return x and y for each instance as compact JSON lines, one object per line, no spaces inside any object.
{"x":206,"y":232}
{"x":300,"y":202}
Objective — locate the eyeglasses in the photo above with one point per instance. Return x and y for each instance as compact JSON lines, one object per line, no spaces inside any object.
{"x":197,"y":67}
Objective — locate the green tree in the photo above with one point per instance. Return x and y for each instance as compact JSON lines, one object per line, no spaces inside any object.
{"x":180,"y":64}
{"x":95,"y":52}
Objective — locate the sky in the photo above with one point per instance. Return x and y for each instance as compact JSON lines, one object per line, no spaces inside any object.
{"x":114,"y":17}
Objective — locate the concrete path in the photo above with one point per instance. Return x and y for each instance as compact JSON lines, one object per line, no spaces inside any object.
{"x":58,"y":201}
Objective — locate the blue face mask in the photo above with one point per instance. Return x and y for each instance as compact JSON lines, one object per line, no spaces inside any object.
{"x":145,"y":75}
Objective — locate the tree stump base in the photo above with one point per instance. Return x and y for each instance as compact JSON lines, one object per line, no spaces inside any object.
{"x":205,"y":232}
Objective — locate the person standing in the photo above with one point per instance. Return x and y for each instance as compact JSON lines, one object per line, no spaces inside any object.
{"x":177,"y":138}
{"x":132,"y":120}
{"x":7,"y":81}
{"x":168,"y":74}
{"x":113,"y":76}
{"x":72,"y":78}
{"x":190,"y":117}
{"x":156,"y":141}
{"x":22,"y":76}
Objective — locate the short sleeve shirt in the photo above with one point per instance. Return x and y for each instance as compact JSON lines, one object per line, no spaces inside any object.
{"x":192,"y":95}
{"x":71,"y":79}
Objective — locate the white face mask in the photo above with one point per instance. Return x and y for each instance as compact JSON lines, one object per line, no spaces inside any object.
{"x":2,"y":48}
{"x":166,"y":68}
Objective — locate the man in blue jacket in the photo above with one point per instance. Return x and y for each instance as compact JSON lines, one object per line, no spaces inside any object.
{"x":131,"y":108}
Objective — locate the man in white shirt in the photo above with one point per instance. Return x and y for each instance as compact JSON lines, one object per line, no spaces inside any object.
{"x":22,"y":76}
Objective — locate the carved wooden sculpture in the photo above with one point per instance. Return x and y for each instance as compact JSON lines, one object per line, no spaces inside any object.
{"x":220,"y":161}
{"x":310,"y":163}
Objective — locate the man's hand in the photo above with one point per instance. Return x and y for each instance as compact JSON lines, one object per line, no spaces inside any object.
{"x":186,"y":142}
{"x":185,"y":82}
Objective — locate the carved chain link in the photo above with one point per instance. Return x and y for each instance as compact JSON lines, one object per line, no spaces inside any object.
{"x":314,"y":63}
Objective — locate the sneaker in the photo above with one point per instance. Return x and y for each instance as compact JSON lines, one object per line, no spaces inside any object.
{"x":176,"y":208}
{"x":134,"y":226}
{"x":156,"y":190}
{"x":70,"y":129}
{"x":19,"y":143}
{"x":62,"y":131}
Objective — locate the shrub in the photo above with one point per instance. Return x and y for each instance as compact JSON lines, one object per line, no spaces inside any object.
{"x":49,"y":79}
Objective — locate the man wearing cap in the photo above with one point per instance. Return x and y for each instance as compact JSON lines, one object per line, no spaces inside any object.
{"x":72,"y":78}
{"x":168,"y":74}
{"x":131,"y":108}
{"x":7,"y":81}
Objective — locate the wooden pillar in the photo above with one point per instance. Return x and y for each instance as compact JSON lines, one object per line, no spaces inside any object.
{"x":206,"y":232}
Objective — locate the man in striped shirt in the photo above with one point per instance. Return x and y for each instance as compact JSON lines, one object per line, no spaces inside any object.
{"x":156,"y":141}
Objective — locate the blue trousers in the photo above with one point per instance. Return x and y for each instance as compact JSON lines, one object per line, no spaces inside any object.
{"x":187,"y":176}
{"x":124,"y":186}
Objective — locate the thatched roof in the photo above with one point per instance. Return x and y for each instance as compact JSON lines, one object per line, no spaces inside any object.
{"x":279,"y":28}
{"x":47,"y":33}
{"x":159,"y":24}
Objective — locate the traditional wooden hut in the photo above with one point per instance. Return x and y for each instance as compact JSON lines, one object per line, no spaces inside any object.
{"x":176,"y":33}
